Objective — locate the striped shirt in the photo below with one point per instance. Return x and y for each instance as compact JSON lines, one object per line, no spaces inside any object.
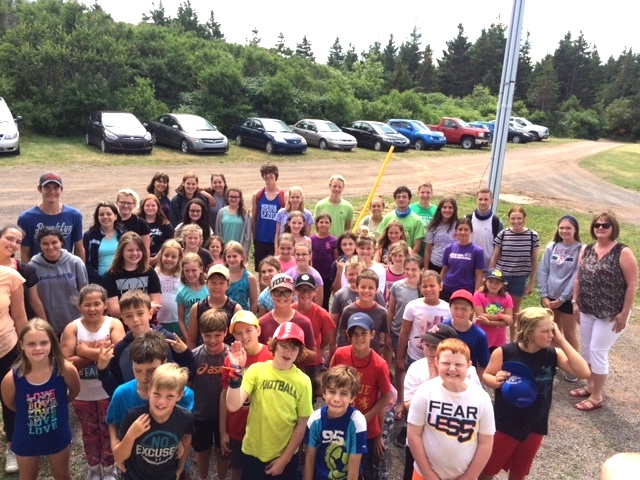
{"x":515,"y":251}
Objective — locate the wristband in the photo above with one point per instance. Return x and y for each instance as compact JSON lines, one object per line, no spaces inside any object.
{"x":235,"y":382}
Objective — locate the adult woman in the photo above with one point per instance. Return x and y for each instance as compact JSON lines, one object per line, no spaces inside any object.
{"x":218,"y":191}
{"x":556,"y":276}
{"x":603,"y":293}
{"x":159,"y":187}
{"x":101,"y":240}
{"x":61,"y":276}
{"x":161,"y":230}
{"x":440,"y":233}
{"x":196,"y":212}
{"x":187,"y":190}
{"x":234,"y":221}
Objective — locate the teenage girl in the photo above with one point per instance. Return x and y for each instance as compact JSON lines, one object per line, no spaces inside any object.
{"x":372,"y":220}
{"x":295,"y":203}
{"x":101,"y":240}
{"x":296,"y":227}
{"x":393,"y":233}
{"x":127,"y":201}
{"x":168,"y":270}
{"x":39,"y":388}
{"x":159,"y":187}
{"x":215,"y":246}
{"x":191,"y":240}
{"x":398,"y":253}
{"x":218,"y":190}
{"x":346,"y":250}
{"x":302,"y":252}
{"x":285,"y":251}
{"x":244,"y":286}
{"x":233,"y":222}
{"x":80,"y":344}
{"x":324,"y":251}
{"x":161,"y":230}
{"x":494,"y":308}
{"x":440,"y":233}
{"x":192,"y":291}
{"x":269,"y":267}
{"x":187,"y":190}
{"x":195,"y":212}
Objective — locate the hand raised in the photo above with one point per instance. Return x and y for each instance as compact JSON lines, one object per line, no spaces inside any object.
{"x":105,"y":355}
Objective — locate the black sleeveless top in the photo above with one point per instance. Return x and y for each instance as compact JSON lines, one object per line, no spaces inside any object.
{"x":229,"y":308}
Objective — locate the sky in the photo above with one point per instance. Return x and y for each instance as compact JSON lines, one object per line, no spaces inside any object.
{"x":610,"y":27}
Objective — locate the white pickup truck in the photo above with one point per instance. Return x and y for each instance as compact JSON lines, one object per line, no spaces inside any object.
{"x":538,"y":132}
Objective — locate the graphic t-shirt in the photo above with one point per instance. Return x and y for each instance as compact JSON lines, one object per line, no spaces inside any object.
{"x":207,"y":382}
{"x":268,"y":326}
{"x":266,"y":221}
{"x":496,"y":336}
{"x":68,"y":221}
{"x":188,"y":298}
{"x":462,"y":262}
{"x":322,"y":254}
{"x":117,"y":284}
{"x":422,"y":318}
{"x":170,"y":287}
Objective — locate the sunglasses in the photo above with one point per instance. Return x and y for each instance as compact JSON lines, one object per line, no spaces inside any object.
{"x":281,"y":293}
{"x":601,"y":225}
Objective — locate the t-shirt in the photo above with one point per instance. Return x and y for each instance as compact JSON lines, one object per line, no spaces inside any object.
{"x":476,"y":340}
{"x":462,"y":261}
{"x":341,"y":300}
{"x":322,"y":254}
{"x":379,"y":270}
{"x":207,"y":382}
{"x":106,"y":251}
{"x":452,"y":422}
{"x":440,"y":237}
{"x":188,"y":298}
{"x":496,"y":336}
{"x":426,"y":214}
{"x":334,"y":440}
{"x":278,"y":399}
{"x":515,"y":251}
{"x":10,"y":281}
{"x":341,"y":214}
{"x":391,"y":278}
{"x":136,"y":224}
{"x":205,"y":256}
{"x":117,"y":284}
{"x":294,"y":273}
{"x":68,"y":221}
{"x":482,"y":235}
{"x":265,"y":301}
{"x":412,"y":223}
{"x":282,"y":216}
{"x":418,"y":373}
{"x":154,"y":453}
{"x":268,"y":326}
{"x":284,"y":266}
{"x":159,"y":234}
{"x":403,"y":294}
{"x":422,"y":318}
{"x":321,"y":323}
{"x":377,"y":313}
{"x":374,"y":382}
{"x":170,"y":287}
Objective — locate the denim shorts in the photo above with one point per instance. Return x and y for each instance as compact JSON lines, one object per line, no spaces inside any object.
{"x":516,"y":285}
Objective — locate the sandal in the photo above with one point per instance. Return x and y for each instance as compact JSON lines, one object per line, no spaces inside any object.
{"x":589,"y":405}
{"x":580,"y":392}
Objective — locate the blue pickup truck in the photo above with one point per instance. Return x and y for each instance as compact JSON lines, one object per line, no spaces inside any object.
{"x":420,"y":136}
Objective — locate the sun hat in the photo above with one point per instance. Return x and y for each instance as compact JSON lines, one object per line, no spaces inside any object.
{"x":520,"y":389}
{"x":243,"y":316}
{"x":361,"y":320}
{"x":219,"y":269}
{"x":282,"y":280}
{"x":289,"y":331}
{"x":438,"y":333}
{"x":305,"y":280}
{"x":462,"y":294}
{"x":494,"y":273}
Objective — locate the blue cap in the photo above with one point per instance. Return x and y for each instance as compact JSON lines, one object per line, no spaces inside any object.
{"x":520,"y":389}
{"x":362,"y":320}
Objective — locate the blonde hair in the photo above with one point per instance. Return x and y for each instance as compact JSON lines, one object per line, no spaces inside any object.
{"x":399,"y":247}
{"x":354,"y":262}
{"x":56,"y":358}
{"x":129,"y":193}
{"x":170,"y":376}
{"x":288,"y":206}
{"x":236,"y":247}
{"x":192,"y":258}
{"x":171,"y":243}
{"x":528,"y":320}
{"x":190,"y":228}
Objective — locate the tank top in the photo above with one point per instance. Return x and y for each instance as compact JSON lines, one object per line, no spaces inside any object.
{"x":266,"y":221}
{"x":90,"y":387}
{"x":229,"y":307}
{"x":42,"y":416}
{"x":239,"y":291}
{"x":601,"y":284}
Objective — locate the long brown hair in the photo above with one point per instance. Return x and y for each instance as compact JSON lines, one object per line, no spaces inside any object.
{"x":117,"y":265}
{"x":160,"y":215}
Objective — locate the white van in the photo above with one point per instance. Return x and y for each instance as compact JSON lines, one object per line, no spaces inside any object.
{"x":9,"y":135}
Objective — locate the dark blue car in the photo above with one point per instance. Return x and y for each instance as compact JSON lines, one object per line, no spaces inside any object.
{"x":269,"y":134}
{"x":420,"y":136}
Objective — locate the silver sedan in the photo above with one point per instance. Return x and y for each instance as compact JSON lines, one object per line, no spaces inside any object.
{"x":324,"y":134}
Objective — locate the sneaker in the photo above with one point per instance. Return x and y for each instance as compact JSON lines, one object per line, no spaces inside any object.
{"x":110,"y":472}
{"x":10,"y":462}
{"x":94,"y":473}
{"x":570,"y":378}
{"x":401,"y":439}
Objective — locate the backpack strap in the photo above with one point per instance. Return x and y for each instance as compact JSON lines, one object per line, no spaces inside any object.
{"x":495,"y":225}
{"x":280,"y":196}
{"x":260,"y":194}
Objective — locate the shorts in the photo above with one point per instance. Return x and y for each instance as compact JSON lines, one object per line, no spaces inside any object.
{"x":566,"y":307}
{"x":237,"y":457}
{"x":254,"y":469}
{"x":395,"y":339}
{"x":205,"y":434}
{"x":516,"y":285}
{"x":597,"y":338}
{"x":512,"y":455}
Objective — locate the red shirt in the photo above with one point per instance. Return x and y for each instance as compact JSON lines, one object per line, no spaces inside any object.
{"x":268,"y":326}
{"x":321,"y":323}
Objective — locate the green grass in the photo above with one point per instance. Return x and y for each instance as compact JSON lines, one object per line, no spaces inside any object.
{"x":620,"y":166}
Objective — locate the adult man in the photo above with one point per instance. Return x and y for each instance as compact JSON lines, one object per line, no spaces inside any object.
{"x":51,"y":213}
{"x":341,"y":210}
{"x":423,"y":208}
{"x":486,"y":225}
{"x":412,"y":223}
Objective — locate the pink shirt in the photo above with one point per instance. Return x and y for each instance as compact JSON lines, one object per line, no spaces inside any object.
{"x":496,"y":336}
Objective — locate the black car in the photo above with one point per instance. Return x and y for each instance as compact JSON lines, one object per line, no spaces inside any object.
{"x":117,"y":132}
{"x":377,"y":135}
{"x":518,"y":135}
{"x":189,"y":133}
{"x":270,"y":134}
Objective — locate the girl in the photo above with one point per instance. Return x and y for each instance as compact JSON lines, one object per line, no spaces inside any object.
{"x":324,"y":251}
{"x":295,"y":203}
{"x":127,"y":201}
{"x":191,"y":240}
{"x":192,"y":291}
{"x":373,"y":220}
{"x":168,"y":270}
{"x":61,"y":276}
{"x":398,"y":253}
{"x":41,"y":383}
{"x":233,"y":222}
{"x":440,"y":233}
{"x":101,"y":240}
{"x":516,"y":256}
{"x":346,"y":250}
{"x":269,"y":267}
{"x":195,"y":212}
{"x":285,"y":251}
{"x":494,"y":308}
{"x":130,"y":270}
{"x":393,"y":233}
{"x":159,"y":187}
{"x":244,"y":286}
{"x":296,"y":227}
{"x":161,"y":230}
{"x":188,"y":190}
{"x":218,"y":190}
{"x":462,"y":262}
{"x":81,"y":341}
{"x":302,"y":252}
{"x":215,"y":246}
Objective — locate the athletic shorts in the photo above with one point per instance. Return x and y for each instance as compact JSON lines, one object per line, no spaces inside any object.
{"x":205,"y":434}
{"x":512,"y":455}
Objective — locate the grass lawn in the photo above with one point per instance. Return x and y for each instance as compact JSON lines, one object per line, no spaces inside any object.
{"x":620,"y":166}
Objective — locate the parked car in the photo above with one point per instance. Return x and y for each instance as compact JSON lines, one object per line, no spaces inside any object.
{"x":189,"y":133}
{"x":538,"y":132}
{"x":515,"y":134}
{"x":9,"y":134}
{"x":324,"y":134}
{"x":269,"y":134}
{"x":487,"y":126}
{"x":459,"y":132}
{"x":377,"y":135}
{"x":419,"y":135}
{"x":117,"y":132}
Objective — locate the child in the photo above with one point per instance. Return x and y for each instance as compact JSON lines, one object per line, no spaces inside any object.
{"x":302,"y":253}
{"x":394,"y":270}
{"x":336,"y":435}
{"x":81,"y":341}
{"x":294,"y":203}
{"x":245,"y":328}
{"x":280,"y":394}
{"x":494,"y":308}
{"x":193,"y":290}
{"x":285,"y":251}
{"x":208,"y":359}
{"x":191,"y":239}
{"x":215,"y":246}
{"x":39,"y":388}
{"x":372,"y":220}
{"x":440,"y":232}
{"x":365,"y":246}
{"x":150,"y":435}
{"x":520,"y":430}
{"x":346,"y":250}
{"x":168,"y":270}
{"x":323,"y":253}
{"x":160,"y":229}
{"x":244,"y":286}
{"x":127,"y":200}
{"x":450,"y":424}
{"x":268,"y":268}
{"x":296,"y":227}
{"x":392,"y":234}
{"x":375,"y":387}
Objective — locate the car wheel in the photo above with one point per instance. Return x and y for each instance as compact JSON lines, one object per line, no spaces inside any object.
{"x":16,"y":152}
{"x":86,"y":139}
{"x":420,"y":144}
{"x":184,"y":146}
{"x":323,"y":144}
{"x":269,"y":147}
{"x":104,"y":146}
{"x":377,"y":146}
{"x":467,"y":143}
{"x":238,"y":140}
{"x":516,"y":139}
{"x":154,"y":140}
{"x":536,"y":137}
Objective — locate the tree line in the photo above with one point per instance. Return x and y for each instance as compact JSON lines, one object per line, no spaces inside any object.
{"x":61,"y":59}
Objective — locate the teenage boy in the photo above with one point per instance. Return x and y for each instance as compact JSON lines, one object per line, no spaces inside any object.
{"x":151,"y":435}
{"x":365,"y":247}
{"x":50,"y":212}
{"x":375,"y":387}
{"x":423,"y":207}
{"x":341,"y":210}
{"x":336,"y":435}
{"x":486,"y":225}
{"x":245,"y":328}
{"x":412,"y":223}
{"x":450,"y":423}
{"x":208,"y":360}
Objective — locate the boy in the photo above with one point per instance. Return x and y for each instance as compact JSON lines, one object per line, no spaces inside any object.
{"x":280,"y":397}
{"x":341,"y":210}
{"x":365,"y":247}
{"x":413,"y":225}
{"x":450,"y":424}
{"x":208,"y":360}
{"x":375,"y":387}
{"x":135,"y":308}
{"x":367,"y":285}
{"x":336,"y":435}
{"x":423,"y":207}
{"x":485,"y":224}
{"x":151,"y":435}
{"x":461,"y":303}
{"x":245,"y":328}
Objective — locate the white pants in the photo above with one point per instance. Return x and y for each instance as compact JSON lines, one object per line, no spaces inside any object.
{"x":597,"y":337}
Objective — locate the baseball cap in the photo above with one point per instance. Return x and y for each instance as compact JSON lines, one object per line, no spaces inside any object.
{"x":289,"y":331}
{"x":243,"y":316}
{"x":494,"y":273}
{"x":520,"y":389}
{"x":282,"y":280}
{"x":362,"y":320}
{"x":438,"y":333}
{"x":219,"y":269}
{"x":306,"y":279}
{"x":462,"y":294}
{"x":50,"y":177}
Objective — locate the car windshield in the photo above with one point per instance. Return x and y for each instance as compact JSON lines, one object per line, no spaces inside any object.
{"x":523,"y":122}
{"x":327,"y":127}
{"x":419,"y":125}
{"x":196,"y":124}
{"x":275,"y":126}
{"x":122,"y":120}
{"x":463,"y":124}
{"x":383,"y":128}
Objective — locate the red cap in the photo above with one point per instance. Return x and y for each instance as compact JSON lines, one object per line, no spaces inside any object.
{"x":462,"y":294}
{"x":289,"y":331}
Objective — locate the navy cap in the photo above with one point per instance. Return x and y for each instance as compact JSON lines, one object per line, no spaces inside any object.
{"x":520,"y":389}
{"x":362,"y":320}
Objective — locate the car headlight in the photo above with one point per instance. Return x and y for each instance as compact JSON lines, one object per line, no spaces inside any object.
{"x":111,"y":136}
{"x":147,"y":136}
{"x":11,"y":136}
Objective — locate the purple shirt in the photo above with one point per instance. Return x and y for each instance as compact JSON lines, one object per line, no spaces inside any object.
{"x":462,"y":263}
{"x":322,"y":254}
{"x":293,"y":273}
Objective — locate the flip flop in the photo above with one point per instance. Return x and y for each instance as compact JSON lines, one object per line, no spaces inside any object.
{"x":580,"y":392}
{"x":588,"y":405}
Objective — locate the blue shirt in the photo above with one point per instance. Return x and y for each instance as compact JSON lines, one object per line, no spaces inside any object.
{"x":266,"y":221}
{"x":68,"y":221}
{"x":476,"y":340}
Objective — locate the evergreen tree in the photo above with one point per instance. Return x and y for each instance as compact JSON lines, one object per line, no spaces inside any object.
{"x":213,"y":29}
{"x":389,"y":61}
{"x":303,"y":50}
{"x":543,"y":91}
{"x":487,"y":57}
{"x":282,"y":48}
{"x":577,"y":68}
{"x":350,"y":58}
{"x":187,"y":18}
{"x":454,"y":72}
{"x":426,"y":77}
{"x":624,"y":83}
{"x":336,"y":56}
{"x":410,"y":56}
{"x":255,"y":39}
{"x":157,"y":15}
{"x":524,"y":70}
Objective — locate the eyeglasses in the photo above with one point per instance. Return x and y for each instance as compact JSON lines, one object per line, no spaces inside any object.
{"x":126,"y":204}
{"x":281,"y":293}
{"x":602,"y":225}
{"x":302,"y":255}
